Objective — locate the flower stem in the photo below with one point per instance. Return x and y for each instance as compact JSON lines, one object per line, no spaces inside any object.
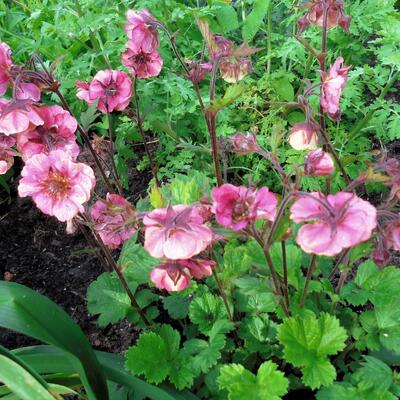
{"x":269,"y":38}
{"x":140,"y":127}
{"x":310,"y":271}
{"x":112,"y":153}
{"x":285,"y":274}
{"x":88,"y":143}
{"x":223,"y":295}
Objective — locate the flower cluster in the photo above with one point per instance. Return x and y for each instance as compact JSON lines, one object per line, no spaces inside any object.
{"x":45,"y":138}
{"x":141,"y":55}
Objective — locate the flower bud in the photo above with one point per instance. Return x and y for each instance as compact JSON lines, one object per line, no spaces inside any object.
{"x":344,"y":22}
{"x":235,"y":69}
{"x":244,"y":144}
{"x":380,"y":256}
{"x":304,"y":136}
{"x":318,"y":163}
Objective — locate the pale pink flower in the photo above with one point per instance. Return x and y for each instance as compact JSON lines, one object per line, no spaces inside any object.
{"x":170,"y":276}
{"x":114,"y":220}
{"x":175,"y":275}
{"x":5,"y":67}
{"x":58,"y":185}
{"x":317,"y":163}
{"x":141,"y":64}
{"x":244,"y":143}
{"x":237,"y":206}
{"x":112,"y":89}
{"x":234,"y":69}
{"x":304,"y":136}
{"x":18,"y":116}
{"x":392,"y":235}
{"x":56,"y":133}
{"x":176,"y":232}
{"x":332,"y":87}
{"x":7,"y":154}
{"x":141,"y":30}
{"x":338,"y":222}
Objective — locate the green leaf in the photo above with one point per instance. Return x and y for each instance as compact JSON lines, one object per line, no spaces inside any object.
{"x":283,"y":88}
{"x":308,"y":341}
{"x":232,"y":93}
{"x":375,"y":373}
{"x":206,"y":310}
{"x":177,"y":306}
{"x":89,"y":116}
{"x":240,"y":383}
{"x":21,"y":382}
{"x":149,"y":358}
{"x":26,"y":311}
{"x":107,"y":298}
{"x":255,"y":19}
{"x":227,"y":18}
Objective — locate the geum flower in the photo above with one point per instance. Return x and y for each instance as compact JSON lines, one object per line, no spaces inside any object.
{"x":56,"y":133}
{"x":337,"y":222}
{"x":244,"y":143}
{"x":140,"y":63}
{"x":5,"y":67}
{"x":304,"y":136}
{"x":7,"y":154}
{"x":333,"y":84}
{"x":58,"y":185}
{"x":112,"y":89}
{"x":18,"y":116}
{"x":114,"y":220}
{"x":141,"y":30}
{"x":237,"y":206}
{"x":392,"y":234}
{"x":176,"y":232}
{"x":175,"y":275}
{"x":318,"y":163}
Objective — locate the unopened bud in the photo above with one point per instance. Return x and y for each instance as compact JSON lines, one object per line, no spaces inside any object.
{"x":318,"y":163}
{"x":304,"y":136}
{"x":380,"y":257}
{"x":244,"y":144}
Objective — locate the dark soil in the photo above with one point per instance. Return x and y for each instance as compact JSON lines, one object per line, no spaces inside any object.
{"x":36,"y":251}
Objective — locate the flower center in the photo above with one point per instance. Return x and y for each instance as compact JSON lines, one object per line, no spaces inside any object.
{"x":240,"y":210}
{"x":57,"y":185}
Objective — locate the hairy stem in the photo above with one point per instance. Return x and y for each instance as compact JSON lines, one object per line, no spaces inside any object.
{"x":310,"y":271}
{"x":285,"y":274}
{"x":140,"y":127}
{"x":269,"y":37}
{"x":223,"y":295}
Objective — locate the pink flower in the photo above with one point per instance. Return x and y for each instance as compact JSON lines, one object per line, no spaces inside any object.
{"x":58,"y":185}
{"x":234,"y":69}
{"x":175,"y":275}
{"x":339,"y":221}
{"x":198,"y":71}
{"x":170,"y":276}
{"x":5,"y":67}
{"x":27,"y":91}
{"x":114,"y":220}
{"x":244,"y":143}
{"x":18,"y":116}
{"x":112,"y":89}
{"x":333,"y":84}
{"x":304,"y":136}
{"x":176,"y":232}
{"x":237,"y":206}
{"x":318,"y":162}
{"x":141,"y":64}
{"x":6,"y":153}
{"x":57,"y":132}
{"x":392,"y":235}
{"x":142,"y":30}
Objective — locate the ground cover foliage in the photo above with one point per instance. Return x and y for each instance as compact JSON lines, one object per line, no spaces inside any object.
{"x":262,"y":260}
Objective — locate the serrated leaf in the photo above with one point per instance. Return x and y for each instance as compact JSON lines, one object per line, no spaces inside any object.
{"x":232,"y":93}
{"x":172,"y":340}
{"x":255,"y":19}
{"x":149,"y":358}
{"x":240,"y":383}
{"x":308,"y":341}
{"x":177,"y":306}
{"x":227,"y":18}
{"x":107,"y":298}
{"x":89,"y":116}
{"x":156,"y":197}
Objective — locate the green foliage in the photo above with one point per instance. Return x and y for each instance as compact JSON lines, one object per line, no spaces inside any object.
{"x":308,"y":341}
{"x":240,"y":383}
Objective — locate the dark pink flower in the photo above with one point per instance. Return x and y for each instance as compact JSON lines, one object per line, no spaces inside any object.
{"x":332,"y":87}
{"x":18,"y":116}
{"x":5,"y":67}
{"x":176,"y":232}
{"x":338,"y":222}
{"x":317,"y":163}
{"x":112,"y":89}
{"x":142,"y":30}
{"x":237,"y":206}
{"x":199,"y":267}
{"x":7,"y":154}
{"x":380,"y":256}
{"x":198,"y":71}
{"x":304,"y":136}
{"x":141,"y":64}
{"x":56,"y":133}
{"x":57,"y":185}
{"x":392,"y":235}
{"x":114,"y":220}
{"x":244,"y":143}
